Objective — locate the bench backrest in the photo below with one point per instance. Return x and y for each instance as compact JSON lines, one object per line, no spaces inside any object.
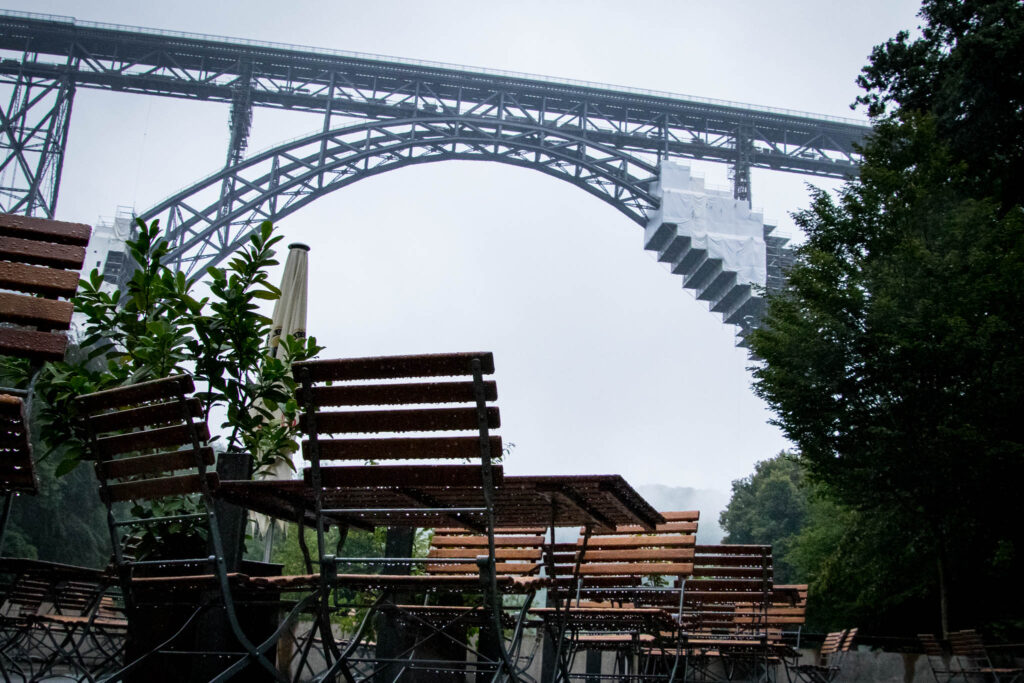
{"x":39,"y":264}
{"x":786,"y":610}
{"x":334,"y":395}
{"x":517,"y":552}
{"x":31,"y":587}
{"x":611,"y":564}
{"x":969,"y":649}
{"x":731,"y":588}
{"x":148,"y":440}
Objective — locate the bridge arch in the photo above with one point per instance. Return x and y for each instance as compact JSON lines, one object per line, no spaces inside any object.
{"x":208,"y":220}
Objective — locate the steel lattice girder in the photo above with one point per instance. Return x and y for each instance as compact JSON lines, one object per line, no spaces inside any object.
{"x":205,"y":222}
{"x":33,"y":133}
{"x":371,"y":87}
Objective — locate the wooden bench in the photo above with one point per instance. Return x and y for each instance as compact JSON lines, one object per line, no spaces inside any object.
{"x":39,"y":264}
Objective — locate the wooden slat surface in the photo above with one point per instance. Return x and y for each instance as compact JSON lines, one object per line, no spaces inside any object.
{"x":636,"y":568}
{"x":41,"y":253}
{"x":639,"y":542}
{"x":60,"y":232}
{"x":38,"y":279}
{"x":393,"y":367}
{"x":481,"y":541}
{"x":159,"y":438}
{"x":160,"y":413}
{"x":151,"y":464}
{"x":396,"y":394}
{"x":446,"y":448}
{"x":500,"y":553}
{"x":32,"y":344}
{"x":381,"y":421}
{"x":403,"y":476}
{"x":153,"y":390}
{"x":46,"y":314}
{"x":158,"y":488}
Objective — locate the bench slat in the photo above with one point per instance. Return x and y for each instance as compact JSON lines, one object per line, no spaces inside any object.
{"x":158,"y":488}
{"x":47,"y":314}
{"x":637,"y":568}
{"x":41,"y":253}
{"x":397,"y":394}
{"x":32,"y":344}
{"x":158,"y":439}
{"x":153,"y":390}
{"x":145,"y":416}
{"x":481,"y":541}
{"x":59,"y":232}
{"x":380,"y":421}
{"x":639,"y":542}
{"x":38,"y":279}
{"x":161,"y":462}
{"x":403,"y":475}
{"x":393,"y":367}
{"x":452,"y":447}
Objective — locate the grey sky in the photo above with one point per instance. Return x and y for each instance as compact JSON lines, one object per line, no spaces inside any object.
{"x":604,"y":364}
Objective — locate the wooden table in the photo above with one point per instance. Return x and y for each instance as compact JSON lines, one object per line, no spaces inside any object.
{"x":417,"y":496}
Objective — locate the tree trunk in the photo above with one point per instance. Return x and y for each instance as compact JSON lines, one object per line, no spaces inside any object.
{"x":941,"y":565}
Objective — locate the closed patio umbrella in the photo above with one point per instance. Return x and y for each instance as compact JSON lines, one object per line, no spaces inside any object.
{"x":288,"y":318}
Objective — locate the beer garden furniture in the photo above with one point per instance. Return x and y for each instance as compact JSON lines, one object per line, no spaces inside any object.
{"x":476,"y":497}
{"x":39,"y":263}
{"x":148,"y":442}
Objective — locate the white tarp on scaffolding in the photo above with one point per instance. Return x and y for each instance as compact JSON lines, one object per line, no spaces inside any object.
{"x":712,"y":219}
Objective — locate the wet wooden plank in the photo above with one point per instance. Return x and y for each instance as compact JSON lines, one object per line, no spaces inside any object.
{"x":393,"y":367}
{"x":362,"y":450}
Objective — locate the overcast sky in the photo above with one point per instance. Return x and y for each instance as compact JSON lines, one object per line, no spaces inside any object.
{"x":604,"y":363}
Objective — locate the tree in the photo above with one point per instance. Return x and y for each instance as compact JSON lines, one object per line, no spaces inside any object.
{"x":892,"y":358}
{"x":769,"y":507}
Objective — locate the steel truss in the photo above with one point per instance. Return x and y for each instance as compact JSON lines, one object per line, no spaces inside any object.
{"x":206,"y":222}
{"x":33,"y":133}
{"x":247,"y":74}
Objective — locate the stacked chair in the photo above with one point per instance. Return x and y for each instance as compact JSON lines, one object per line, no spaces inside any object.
{"x":622,"y":590}
{"x":43,"y":605}
{"x":968,"y":660}
{"x":39,"y":263}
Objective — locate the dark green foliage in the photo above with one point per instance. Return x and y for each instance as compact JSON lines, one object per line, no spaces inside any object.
{"x":965,"y":70}
{"x":769,"y":507}
{"x":893,"y":358}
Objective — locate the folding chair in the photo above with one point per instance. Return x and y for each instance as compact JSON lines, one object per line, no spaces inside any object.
{"x":39,"y":263}
{"x":973,"y":660}
{"x":830,"y":658}
{"x":623,"y":589}
{"x":149,"y":443}
{"x":335,"y":395}
{"x":56,"y":621}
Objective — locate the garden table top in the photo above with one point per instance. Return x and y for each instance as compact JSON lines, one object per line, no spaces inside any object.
{"x":431,"y":496}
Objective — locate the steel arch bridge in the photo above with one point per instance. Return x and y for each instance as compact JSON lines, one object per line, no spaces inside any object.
{"x":217,"y":214}
{"x":382,"y":113}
